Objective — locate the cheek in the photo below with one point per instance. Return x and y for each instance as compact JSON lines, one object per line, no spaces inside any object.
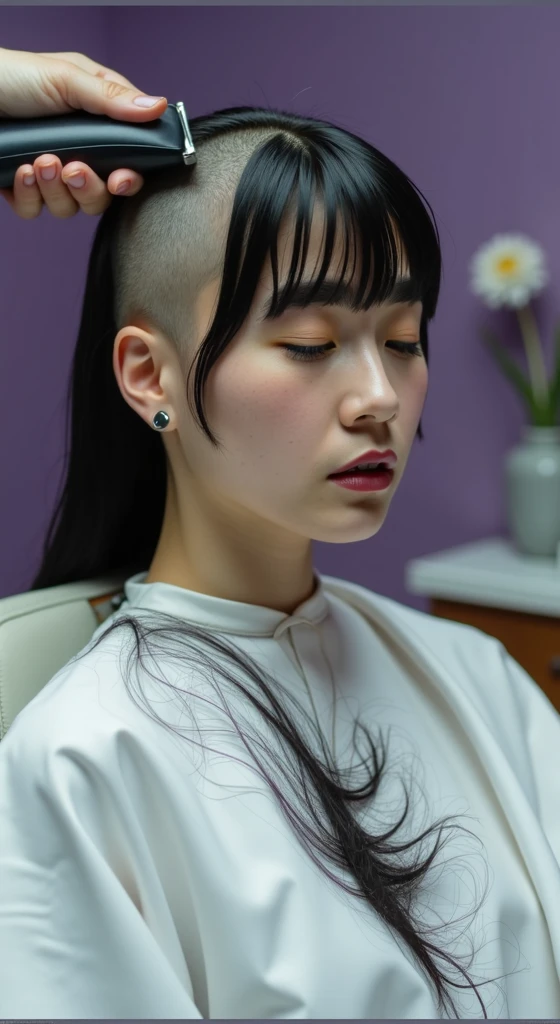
{"x":262,"y":408}
{"x":268,"y":423}
{"x":258,"y":412}
{"x":413,"y":395}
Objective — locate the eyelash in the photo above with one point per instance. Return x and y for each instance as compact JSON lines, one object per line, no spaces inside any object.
{"x":304,"y":351}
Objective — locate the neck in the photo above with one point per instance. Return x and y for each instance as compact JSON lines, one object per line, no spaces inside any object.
{"x":214,"y":553}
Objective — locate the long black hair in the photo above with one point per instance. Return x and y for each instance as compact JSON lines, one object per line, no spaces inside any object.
{"x":110,"y":512}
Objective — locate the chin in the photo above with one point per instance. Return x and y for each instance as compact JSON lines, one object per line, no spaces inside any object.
{"x":364,"y":527}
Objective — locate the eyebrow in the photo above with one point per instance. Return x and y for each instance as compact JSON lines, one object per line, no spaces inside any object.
{"x":405,"y":292}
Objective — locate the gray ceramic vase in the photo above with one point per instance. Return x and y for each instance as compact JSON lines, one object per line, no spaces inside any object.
{"x":532,"y":476}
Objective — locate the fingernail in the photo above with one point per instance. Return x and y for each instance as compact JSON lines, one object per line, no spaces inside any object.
{"x":28,"y":179}
{"x":123,"y":187}
{"x":77,"y":181}
{"x":148,"y":101}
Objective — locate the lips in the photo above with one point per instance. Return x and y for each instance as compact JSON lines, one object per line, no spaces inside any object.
{"x":388,"y":457}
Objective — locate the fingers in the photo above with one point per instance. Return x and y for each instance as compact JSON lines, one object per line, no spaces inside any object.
{"x":95,"y":194}
{"x":94,"y":68}
{"x":63,"y":199}
{"x":27,"y":201}
{"x":101,"y":93}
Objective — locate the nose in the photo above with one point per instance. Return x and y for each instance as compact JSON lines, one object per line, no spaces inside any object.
{"x":371,"y":393}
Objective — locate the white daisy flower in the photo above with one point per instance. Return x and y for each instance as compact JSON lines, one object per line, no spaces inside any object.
{"x":508,"y":271}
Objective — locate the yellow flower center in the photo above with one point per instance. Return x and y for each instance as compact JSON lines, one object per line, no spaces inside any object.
{"x":507,"y":265}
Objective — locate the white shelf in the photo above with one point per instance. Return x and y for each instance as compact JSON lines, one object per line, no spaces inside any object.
{"x":488,"y":572}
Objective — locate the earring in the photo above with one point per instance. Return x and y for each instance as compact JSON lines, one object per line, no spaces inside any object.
{"x":160,"y":420}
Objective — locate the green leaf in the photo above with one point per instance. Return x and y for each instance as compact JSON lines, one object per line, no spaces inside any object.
{"x":555,"y":380}
{"x":511,"y":370}
{"x":542,"y":414}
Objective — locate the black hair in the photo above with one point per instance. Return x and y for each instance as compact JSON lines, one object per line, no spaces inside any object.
{"x":116,"y":464}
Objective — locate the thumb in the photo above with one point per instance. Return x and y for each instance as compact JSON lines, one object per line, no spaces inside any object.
{"x":83,"y":91}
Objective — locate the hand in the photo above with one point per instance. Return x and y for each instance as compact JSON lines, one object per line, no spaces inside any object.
{"x":43,"y":84}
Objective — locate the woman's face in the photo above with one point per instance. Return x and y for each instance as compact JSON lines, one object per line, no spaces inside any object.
{"x":287,"y":424}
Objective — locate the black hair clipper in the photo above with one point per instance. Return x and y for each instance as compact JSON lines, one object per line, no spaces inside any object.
{"x":101,"y":142}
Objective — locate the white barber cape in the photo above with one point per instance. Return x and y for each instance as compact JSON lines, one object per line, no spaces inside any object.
{"x":141,"y":880}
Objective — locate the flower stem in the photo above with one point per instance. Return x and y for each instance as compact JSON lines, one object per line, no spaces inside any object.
{"x":533,"y":351}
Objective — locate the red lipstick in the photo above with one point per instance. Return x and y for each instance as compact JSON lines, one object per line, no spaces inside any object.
{"x":376,"y":477}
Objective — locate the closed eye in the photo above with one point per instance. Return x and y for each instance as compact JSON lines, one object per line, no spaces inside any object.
{"x":311,"y":352}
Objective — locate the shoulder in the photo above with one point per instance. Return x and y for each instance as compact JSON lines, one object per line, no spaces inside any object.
{"x":96,"y":712}
{"x":461,"y":659}
{"x":422,"y":625}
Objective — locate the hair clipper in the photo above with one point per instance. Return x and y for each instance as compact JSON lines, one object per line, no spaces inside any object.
{"x":101,"y":142}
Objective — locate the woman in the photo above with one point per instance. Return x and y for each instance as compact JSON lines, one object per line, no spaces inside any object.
{"x":223,"y":847}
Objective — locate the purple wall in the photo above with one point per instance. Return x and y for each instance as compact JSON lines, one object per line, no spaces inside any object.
{"x":465,"y":100}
